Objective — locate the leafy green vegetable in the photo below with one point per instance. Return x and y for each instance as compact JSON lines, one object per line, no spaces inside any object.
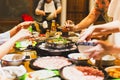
{"x":30,"y":28}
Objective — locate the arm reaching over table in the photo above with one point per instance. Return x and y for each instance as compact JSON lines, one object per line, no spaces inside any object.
{"x":5,"y":47}
{"x":100,"y":30}
{"x":101,"y":49}
{"x":8,"y":34}
{"x":22,"y":25}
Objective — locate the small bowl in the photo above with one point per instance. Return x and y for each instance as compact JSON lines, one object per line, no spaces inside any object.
{"x":82,"y":46}
{"x":13,"y":59}
{"x":108,"y":60}
{"x":78,"y":58}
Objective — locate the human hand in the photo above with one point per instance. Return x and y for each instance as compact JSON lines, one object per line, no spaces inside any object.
{"x":98,"y":30}
{"x":24,"y":25}
{"x":55,"y":14}
{"x":51,"y":16}
{"x":68,"y":26}
{"x":86,"y":34}
{"x":99,"y":50}
{"x":40,"y":12}
{"x":23,"y":33}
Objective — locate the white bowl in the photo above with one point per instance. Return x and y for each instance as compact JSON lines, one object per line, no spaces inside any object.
{"x":108,"y":60}
{"x":12,"y":59}
{"x":79,"y":58}
{"x":82,"y":46}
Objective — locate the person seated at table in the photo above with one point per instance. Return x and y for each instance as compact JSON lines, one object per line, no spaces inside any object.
{"x":100,"y":8}
{"x":49,"y":10}
{"x":6,"y":35}
{"x":8,"y":39}
{"x":112,"y":27}
{"x":102,"y":46}
{"x":102,"y":29}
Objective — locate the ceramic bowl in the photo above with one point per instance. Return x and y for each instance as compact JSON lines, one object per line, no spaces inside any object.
{"x":108,"y":60}
{"x":79,"y":58}
{"x":13,"y":59}
{"x":82,"y":46}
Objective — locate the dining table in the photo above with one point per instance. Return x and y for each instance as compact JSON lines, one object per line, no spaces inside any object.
{"x":37,"y":53}
{"x":27,"y":63}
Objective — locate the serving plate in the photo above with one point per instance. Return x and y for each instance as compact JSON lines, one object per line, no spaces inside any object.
{"x":32,"y":66}
{"x":43,"y":75}
{"x":73,"y":72}
{"x":12,"y":72}
{"x":49,"y":62}
{"x":113,"y":71}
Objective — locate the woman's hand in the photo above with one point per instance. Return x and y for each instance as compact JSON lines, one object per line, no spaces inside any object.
{"x":100,"y":49}
{"x":68,"y":26}
{"x":100,"y":30}
{"x":86,"y":35}
{"x":23,"y":33}
{"x":24,"y":25}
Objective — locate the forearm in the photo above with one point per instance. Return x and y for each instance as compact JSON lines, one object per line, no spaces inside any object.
{"x":5,"y":48}
{"x":13,"y":31}
{"x":38,"y":12}
{"x":85,"y":23}
{"x":111,"y":27}
{"x":59,"y":9}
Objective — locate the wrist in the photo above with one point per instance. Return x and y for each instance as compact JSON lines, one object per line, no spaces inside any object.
{"x":115,"y":49}
{"x":13,"y":31}
{"x":16,"y":38}
{"x":75,"y":28}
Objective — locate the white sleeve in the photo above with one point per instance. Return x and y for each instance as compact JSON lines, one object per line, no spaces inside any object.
{"x":4,"y":37}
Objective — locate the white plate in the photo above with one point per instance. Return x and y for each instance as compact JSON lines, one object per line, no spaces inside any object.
{"x":43,"y":75}
{"x":112,"y":67}
{"x":113,"y":72}
{"x":12,"y":72}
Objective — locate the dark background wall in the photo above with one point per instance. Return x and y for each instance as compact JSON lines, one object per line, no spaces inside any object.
{"x":14,"y":8}
{"x":11,"y":11}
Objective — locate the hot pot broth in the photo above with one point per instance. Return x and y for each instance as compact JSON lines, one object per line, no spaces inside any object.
{"x":58,"y":43}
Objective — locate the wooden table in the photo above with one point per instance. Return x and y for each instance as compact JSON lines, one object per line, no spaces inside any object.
{"x":26,"y":62}
{"x":26,"y":65}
